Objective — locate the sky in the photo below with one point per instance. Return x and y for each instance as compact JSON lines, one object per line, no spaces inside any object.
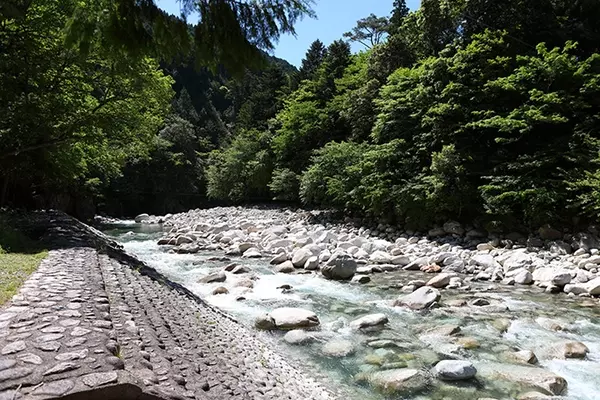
{"x":334,"y":17}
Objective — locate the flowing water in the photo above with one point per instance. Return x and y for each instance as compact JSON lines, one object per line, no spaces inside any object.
{"x":516,"y":319}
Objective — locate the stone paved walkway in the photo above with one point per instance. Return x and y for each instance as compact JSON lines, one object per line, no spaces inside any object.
{"x":89,"y":326}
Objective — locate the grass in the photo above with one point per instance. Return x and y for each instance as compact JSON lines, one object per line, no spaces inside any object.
{"x":19,"y":257}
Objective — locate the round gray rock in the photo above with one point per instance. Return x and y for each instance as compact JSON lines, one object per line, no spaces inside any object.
{"x":454,"y":370}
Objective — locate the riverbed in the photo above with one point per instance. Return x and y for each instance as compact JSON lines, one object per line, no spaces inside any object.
{"x":508,"y":319}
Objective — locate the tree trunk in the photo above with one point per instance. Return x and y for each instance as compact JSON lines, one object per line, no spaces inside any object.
{"x":4,"y":191}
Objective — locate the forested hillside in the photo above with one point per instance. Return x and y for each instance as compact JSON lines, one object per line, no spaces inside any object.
{"x":466,"y":110}
{"x":478,"y":109}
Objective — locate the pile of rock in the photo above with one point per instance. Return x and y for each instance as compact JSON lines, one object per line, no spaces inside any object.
{"x":552,"y":260}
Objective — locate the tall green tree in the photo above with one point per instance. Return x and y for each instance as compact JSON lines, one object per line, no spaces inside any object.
{"x":369,"y":31}
{"x":70,"y":120}
{"x":315,"y":55}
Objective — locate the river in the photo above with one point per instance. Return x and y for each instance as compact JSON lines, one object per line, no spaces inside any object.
{"x":517,"y":318}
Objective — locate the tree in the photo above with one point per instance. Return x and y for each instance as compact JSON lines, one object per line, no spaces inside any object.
{"x":369,"y":31}
{"x":315,"y":55}
{"x":229,"y":32}
{"x":399,"y":12}
{"x":70,"y":120}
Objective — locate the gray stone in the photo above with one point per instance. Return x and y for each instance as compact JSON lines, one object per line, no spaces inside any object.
{"x":523,"y":277}
{"x":300,"y":257}
{"x":216,"y":277}
{"x":421,"y":298}
{"x":69,"y":322}
{"x":338,"y":348}
{"x":49,"y":337}
{"x":524,"y":356}
{"x":71,"y":356}
{"x":31,"y":358}
{"x":14,"y":373}
{"x":48,"y":346}
{"x":6,"y":363}
{"x":574,"y":350}
{"x":339,"y":267}
{"x":369,"y":321}
{"x":100,"y":378}
{"x":285,"y":267}
{"x":399,"y":381}
{"x":279,"y":258}
{"x":454,"y":370}
{"x":78,"y":331}
{"x":62,"y":367}
{"x":288,"y":318}
{"x":312,"y":263}
{"x":14,"y":347}
{"x":54,"y":389}
{"x":298,"y":337}
{"x":265,"y":322}
{"x":543,"y":380}
{"x":440,"y":280}
{"x":362,"y":279}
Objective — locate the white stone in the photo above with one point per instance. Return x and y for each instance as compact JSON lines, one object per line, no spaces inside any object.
{"x":368,"y":321}
{"x":300,"y":257}
{"x":380,"y":257}
{"x":287,"y":318}
{"x":312,"y":263}
{"x":419,"y":299}
{"x":454,"y":370}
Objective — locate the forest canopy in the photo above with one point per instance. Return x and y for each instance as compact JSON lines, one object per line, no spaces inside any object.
{"x":470,"y":110}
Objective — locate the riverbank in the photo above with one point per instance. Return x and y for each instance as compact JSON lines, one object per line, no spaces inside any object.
{"x":93,"y":322}
{"x":472,"y":304}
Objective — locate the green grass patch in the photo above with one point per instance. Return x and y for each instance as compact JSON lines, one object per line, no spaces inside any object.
{"x":19,"y":257}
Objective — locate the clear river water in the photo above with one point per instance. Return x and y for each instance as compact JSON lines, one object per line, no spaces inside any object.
{"x":518,"y":318}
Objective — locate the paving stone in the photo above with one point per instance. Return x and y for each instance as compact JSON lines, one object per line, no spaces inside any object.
{"x":14,"y":373}
{"x":6,"y":363}
{"x":73,"y":355}
{"x":48,"y":346}
{"x":69,"y":322}
{"x":14,"y":347}
{"x":76,"y":342}
{"x":31,"y":358}
{"x":54,"y":329}
{"x":49,"y":337}
{"x":56,"y":388}
{"x":80,"y":331}
{"x":100,"y":378}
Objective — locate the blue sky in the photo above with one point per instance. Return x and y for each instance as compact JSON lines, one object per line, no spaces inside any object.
{"x":334,"y":17}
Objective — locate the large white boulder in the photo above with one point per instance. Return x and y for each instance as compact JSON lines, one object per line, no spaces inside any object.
{"x":421,"y":298}
{"x":300,"y":257}
{"x":553,"y":276}
{"x":287,"y":318}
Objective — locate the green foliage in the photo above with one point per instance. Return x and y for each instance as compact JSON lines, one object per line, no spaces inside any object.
{"x":70,"y":120}
{"x":285,"y":185}
{"x":242,"y":170}
{"x":369,"y":31}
